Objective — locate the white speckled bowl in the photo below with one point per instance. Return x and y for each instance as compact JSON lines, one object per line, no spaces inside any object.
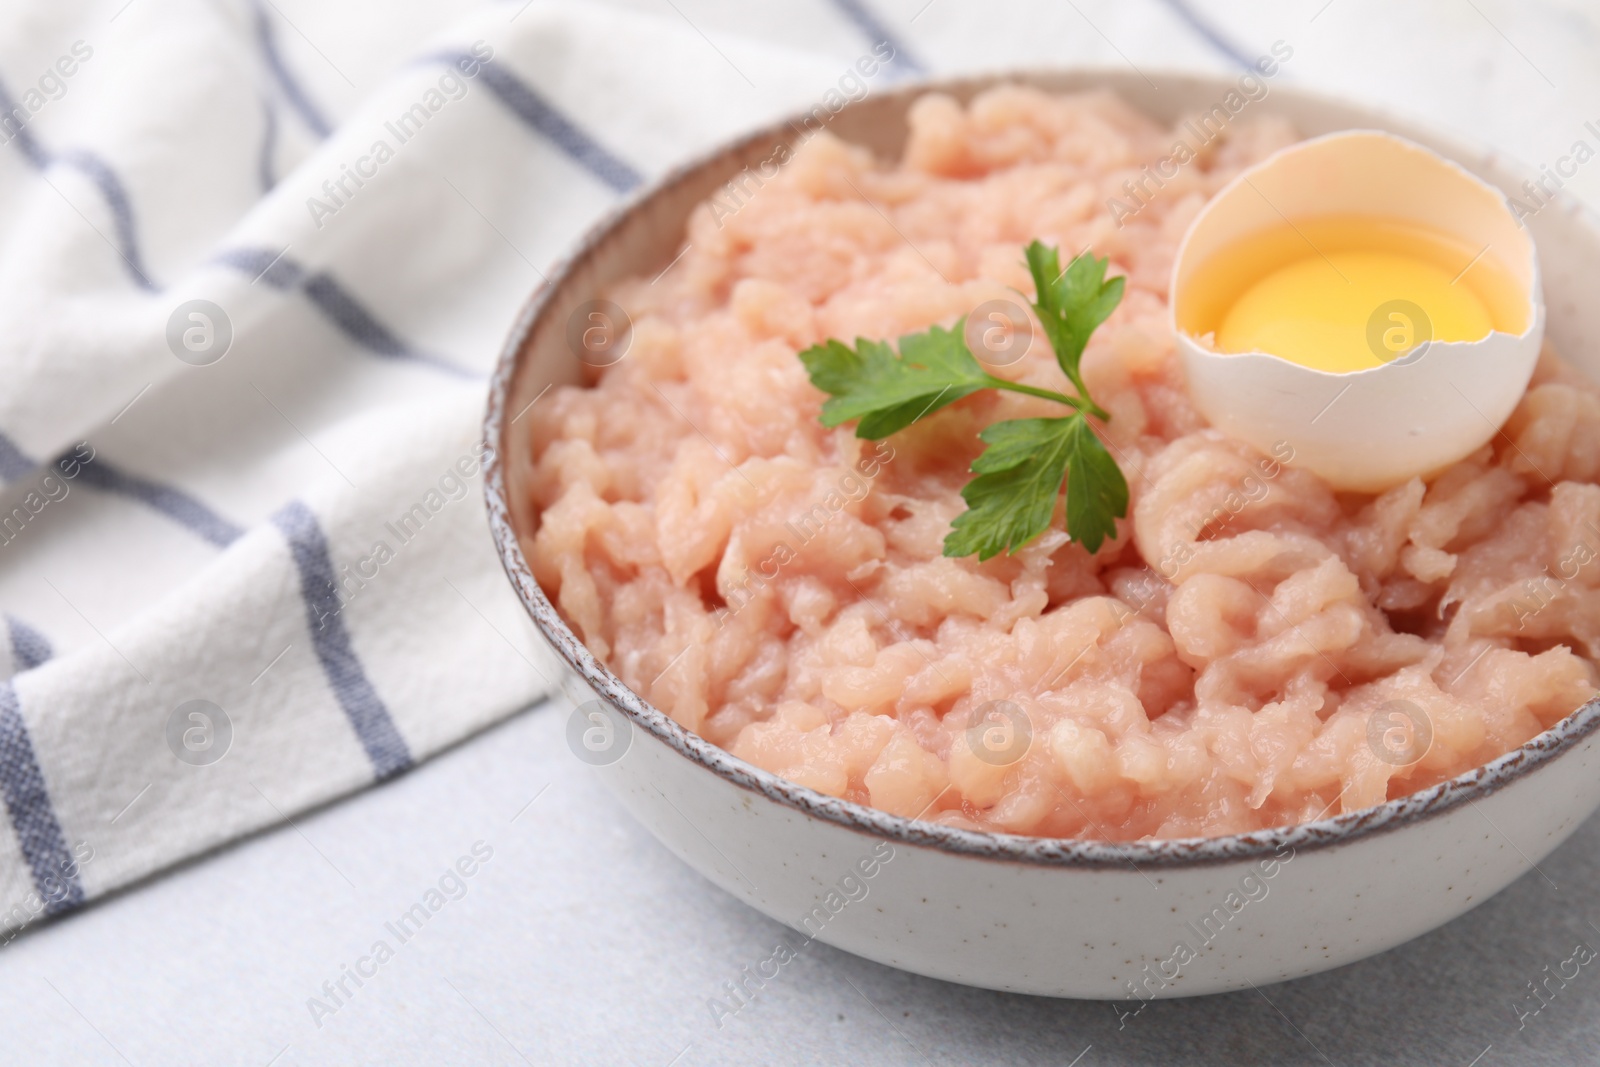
{"x":1055,"y":917}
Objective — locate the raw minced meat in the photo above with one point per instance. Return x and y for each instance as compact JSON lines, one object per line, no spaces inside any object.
{"x":780,"y":588}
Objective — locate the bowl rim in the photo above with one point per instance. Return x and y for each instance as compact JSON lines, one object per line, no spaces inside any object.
{"x":1324,"y":832}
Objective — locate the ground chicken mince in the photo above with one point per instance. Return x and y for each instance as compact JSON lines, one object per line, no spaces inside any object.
{"x":1253,"y":649}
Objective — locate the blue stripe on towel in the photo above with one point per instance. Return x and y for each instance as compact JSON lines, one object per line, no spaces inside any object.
{"x":263,"y":265}
{"x":1209,"y":33}
{"x":97,"y":171}
{"x":335,"y":302}
{"x":187,"y":511}
{"x":298,"y":98}
{"x":177,"y":505}
{"x":269,"y":146}
{"x":29,"y":647}
{"x":868,"y":23}
{"x":55,"y":874}
{"x":14,"y":463}
{"x":116,"y":199}
{"x":527,"y":104}
{"x":365,"y":709}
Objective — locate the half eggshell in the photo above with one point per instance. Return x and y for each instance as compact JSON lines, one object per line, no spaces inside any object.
{"x":1365,"y":430}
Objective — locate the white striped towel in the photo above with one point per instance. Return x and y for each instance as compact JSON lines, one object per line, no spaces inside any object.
{"x":243,"y":556}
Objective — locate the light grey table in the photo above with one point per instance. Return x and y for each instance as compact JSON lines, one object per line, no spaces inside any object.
{"x":581,"y":940}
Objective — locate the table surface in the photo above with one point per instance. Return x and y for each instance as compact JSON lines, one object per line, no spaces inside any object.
{"x":580,"y":939}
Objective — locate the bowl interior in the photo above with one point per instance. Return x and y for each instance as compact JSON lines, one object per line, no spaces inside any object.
{"x":646,"y":232}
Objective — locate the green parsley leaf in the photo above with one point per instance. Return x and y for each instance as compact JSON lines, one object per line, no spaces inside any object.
{"x":1019,"y":474}
{"x":1097,"y":493}
{"x":1071,"y":304}
{"x":888,"y":392}
{"x":1013,"y":497}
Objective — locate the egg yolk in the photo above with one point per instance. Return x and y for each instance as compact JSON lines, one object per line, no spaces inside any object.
{"x":1350,"y":310}
{"x":1345,"y":292}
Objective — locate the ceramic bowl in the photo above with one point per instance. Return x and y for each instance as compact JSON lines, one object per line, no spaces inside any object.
{"x":1126,"y":921}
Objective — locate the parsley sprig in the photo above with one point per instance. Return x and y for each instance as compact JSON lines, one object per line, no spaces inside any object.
{"x":1019,"y":474}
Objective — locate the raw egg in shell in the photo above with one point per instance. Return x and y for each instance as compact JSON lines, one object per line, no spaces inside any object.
{"x":1362,"y":300}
